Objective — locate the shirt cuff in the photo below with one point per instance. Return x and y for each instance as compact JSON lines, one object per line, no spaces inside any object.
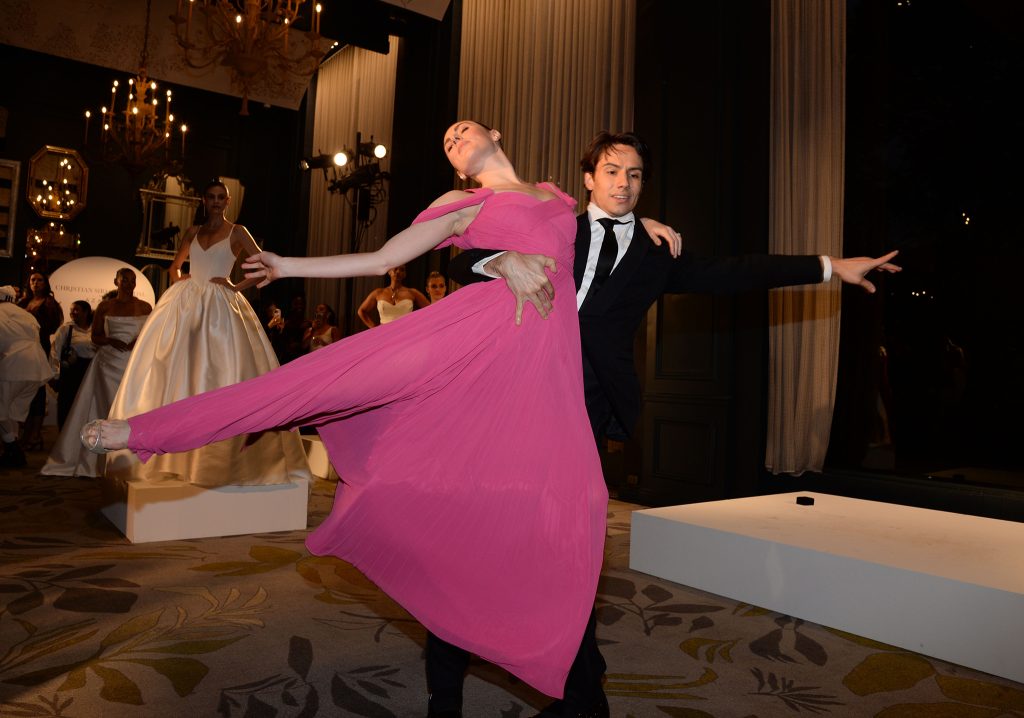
{"x":478,"y":268}
{"x":826,"y":268}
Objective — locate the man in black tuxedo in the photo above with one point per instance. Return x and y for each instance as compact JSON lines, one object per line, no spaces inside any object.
{"x":619,"y":271}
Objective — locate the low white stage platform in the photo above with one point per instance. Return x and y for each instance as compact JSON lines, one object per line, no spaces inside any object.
{"x":941,"y":584}
{"x":174,"y":510}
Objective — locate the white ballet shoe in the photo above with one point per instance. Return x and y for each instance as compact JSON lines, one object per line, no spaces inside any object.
{"x":92,"y":436}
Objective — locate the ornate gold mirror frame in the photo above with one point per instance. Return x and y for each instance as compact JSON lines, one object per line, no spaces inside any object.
{"x":58,"y":183}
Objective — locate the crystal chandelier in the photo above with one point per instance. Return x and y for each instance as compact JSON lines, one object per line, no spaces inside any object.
{"x":250,"y":38}
{"x":134,"y":134}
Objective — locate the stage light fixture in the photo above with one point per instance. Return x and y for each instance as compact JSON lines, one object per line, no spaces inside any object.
{"x":325,"y":162}
{"x":373,"y":149}
{"x":317,"y":162}
{"x":362,"y":176}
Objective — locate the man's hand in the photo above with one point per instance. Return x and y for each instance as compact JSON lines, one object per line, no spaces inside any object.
{"x":265,"y":266}
{"x":659,"y":231}
{"x":526,"y":279}
{"x":855,"y":269}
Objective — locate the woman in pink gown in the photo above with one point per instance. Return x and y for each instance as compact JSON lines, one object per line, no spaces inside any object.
{"x":495,"y":543}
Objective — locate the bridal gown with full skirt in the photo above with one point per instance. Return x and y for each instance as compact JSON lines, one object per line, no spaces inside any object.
{"x":471,"y":488}
{"x":93,"y":400}
{"x":203,"y":336}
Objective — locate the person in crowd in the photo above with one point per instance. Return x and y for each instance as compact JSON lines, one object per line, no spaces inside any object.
{"x":436,"y":287}
{"x":40,"y":303}
{"x":618,"y":273}
{"x":23,"y":370}
{"x":324,"y":329}
{"x":391,"y":302}
{"x":115,"y":329}
{"x":275,"y":330}
{"x":294,"y":329}
{"x":202,"y":335}
{"x":71,"y":352}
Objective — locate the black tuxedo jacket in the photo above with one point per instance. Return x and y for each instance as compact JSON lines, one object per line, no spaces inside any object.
{"x":609,"y":318}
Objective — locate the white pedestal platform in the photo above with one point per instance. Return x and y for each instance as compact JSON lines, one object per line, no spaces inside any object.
{"x":941,"y":584}
{"x":174,"y":510}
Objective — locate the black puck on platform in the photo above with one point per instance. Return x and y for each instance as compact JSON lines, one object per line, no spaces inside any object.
{"x":805,"y":501}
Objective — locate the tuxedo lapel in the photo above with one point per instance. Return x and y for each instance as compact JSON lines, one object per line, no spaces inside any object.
{"x":582,"y":248}
{"x":639,"y":245}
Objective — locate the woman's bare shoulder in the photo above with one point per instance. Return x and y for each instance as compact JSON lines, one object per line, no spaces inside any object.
{"x":451,"y":197}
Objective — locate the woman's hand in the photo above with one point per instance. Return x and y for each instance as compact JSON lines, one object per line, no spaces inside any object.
{"x":659,"y":232}
{"x":182,"y":275}
{"x":222,"y":281}
{"x":265,"y":267}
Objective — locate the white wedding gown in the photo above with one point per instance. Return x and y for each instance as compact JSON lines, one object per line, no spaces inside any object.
{"x":202,"y":336}
{"x":390,"y":312}
{"x":99,"y":386}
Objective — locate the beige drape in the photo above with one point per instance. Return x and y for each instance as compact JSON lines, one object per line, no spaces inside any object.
{"x":548,"y":74}
{"x":808,"y":101}
{"x":355,"y":93}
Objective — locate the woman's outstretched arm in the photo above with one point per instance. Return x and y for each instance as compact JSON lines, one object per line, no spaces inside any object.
{"x":400,"y":249}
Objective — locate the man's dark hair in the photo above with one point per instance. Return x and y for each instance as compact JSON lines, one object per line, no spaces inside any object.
{"x":603,"y":142}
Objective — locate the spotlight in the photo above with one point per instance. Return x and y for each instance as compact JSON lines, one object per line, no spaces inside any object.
{"x":317,"y":162}
{"x":323,"y":162}
{"x":373,"y":149}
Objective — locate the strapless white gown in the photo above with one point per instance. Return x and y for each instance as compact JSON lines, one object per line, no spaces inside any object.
{"x":390,"y":312}
{"x":202,"y":336}
{"x":99,"y":386}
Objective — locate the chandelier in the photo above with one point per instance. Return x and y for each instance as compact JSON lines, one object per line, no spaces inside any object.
{"x":133,"y":134}
{"x":251,"y":39}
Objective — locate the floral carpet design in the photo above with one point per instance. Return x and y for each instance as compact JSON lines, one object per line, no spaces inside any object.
{"x":254,"y":626}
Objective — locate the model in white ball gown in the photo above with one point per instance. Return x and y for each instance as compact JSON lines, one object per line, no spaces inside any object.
{"x":204,"y":335}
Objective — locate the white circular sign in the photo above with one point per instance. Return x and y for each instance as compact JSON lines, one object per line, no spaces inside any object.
{"x":89,"y":278}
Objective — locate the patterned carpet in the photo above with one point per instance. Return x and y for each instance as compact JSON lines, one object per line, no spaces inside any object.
{"x":91,"y":625}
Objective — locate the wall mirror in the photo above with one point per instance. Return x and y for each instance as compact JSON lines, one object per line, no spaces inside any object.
{"x":58,"y":182}
{"x":9,"y":172}
{"x":168,"y":209}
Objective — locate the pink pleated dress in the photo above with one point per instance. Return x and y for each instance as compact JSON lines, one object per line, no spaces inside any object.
{"x":471,"y":488}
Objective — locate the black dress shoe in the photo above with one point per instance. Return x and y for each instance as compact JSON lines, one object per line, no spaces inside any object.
{"x":445,"y":714}
{"x":559,"y":709}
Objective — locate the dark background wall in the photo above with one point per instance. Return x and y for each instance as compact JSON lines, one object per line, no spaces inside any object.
{"x":702,"y":94}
